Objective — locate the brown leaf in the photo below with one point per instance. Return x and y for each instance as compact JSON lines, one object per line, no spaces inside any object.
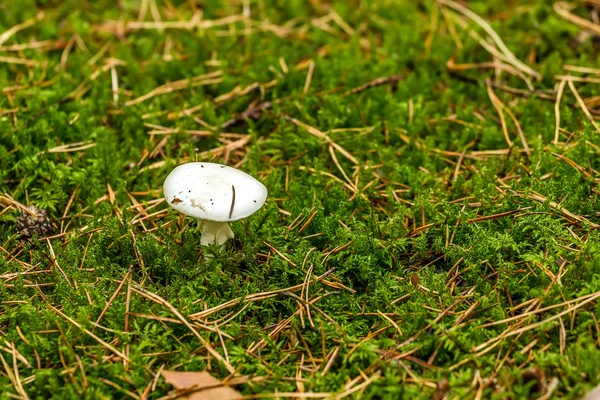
{"x":199,"y":386}
{"x":593,"y":395}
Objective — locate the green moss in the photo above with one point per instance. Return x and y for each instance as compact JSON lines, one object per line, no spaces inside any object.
{"x":406,"y":139}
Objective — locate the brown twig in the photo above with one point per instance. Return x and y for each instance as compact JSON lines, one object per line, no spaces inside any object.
{"x":392,"y":79}
{"x":90,"y":333}
{"x":562,"y":8}
{"x":511,"y":58}
{"x":113,"y":297}
{"x":159,"y":300}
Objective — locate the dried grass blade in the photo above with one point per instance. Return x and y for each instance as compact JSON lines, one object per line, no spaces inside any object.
{"x":495,"y":37}
{"x":159,"y":300}
{"x":90,"y":333}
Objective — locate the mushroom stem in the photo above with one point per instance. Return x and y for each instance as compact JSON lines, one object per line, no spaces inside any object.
{"x":214,"y":232}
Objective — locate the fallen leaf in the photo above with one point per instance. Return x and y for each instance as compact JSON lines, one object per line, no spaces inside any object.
{"x":593,"y":395}
{"x":200,"y":386}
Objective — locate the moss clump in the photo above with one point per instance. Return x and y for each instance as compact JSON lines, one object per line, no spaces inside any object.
{"x":455,"y":173}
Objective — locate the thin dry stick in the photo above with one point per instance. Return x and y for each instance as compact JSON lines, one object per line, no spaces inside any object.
{"x":521,"y":134}
{"x":90,"y":333}
{"x":329,"y":175}
{"x":452,"y":29}
{"x":159,"y":300}
{"x":556,"y":206}
{"x":13,"y":376}
{"x":23,"y":25}
{"x":339,"y":167}
{"x":498,"y":106}
{"x":69,"y":203}
{"x":562,"y":9}
{"x":222,"y":342}
{"x":55,"y":263}
{"x":283,"y":324}
{"x":253,"y":297}
{"x":433,"y":28}
{"x":391,"y":321}
{"x":200,"y":80}
{"x":321,"y":135}
{"x":113,"y":297}
{"x":458,"y":165}
{"x":309,"y":75}
{"x":392,"y":79}
{"x":41,"y":45}
{"x":497,"y":216}
{"x":280,"y":254}
{"x":574,"y":78}
{"x":561,"y":88}
{"x":483,"y":24}
{"x":71,"y":147}
{"x":310,"y":219}
{"x":17,"y":60}
{"x":554,"y":317}
{"x":16,"y":369}
{"x":304,"y":293}
{"x":574,"y":165}
{"x":582,"y":104}
{"x":538,"y":311}
{"x":6,"y":198}
{"x":194,"y":23}
{"x":307,"y":301}
{"x":356,"y":388}
{"x":496,"y":64}
{"x":331,"y":360}
{"x":126,"y":322}
{"x":583,"y":70}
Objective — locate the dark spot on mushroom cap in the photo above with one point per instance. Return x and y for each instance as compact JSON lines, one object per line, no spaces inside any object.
{"x":201,"y":166}
{"x":222,"y":166}
{"x":176,"y":200}
{"x":255,"y":201}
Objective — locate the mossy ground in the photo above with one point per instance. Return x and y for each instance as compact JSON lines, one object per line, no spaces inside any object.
{"x":386,"y":185}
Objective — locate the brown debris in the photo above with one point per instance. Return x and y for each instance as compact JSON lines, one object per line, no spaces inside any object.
{"x":199,"y":386}
{"x":254,"y":111}
{"x":35,"y":223}
{"x":392,"y":79}
{"x":536,"y":375}
{"x":563,"y":9}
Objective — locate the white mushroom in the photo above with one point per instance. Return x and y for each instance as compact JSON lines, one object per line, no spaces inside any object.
{"x":214,"y":194}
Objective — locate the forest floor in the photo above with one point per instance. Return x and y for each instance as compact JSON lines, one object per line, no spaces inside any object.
{"x":431,"y":229}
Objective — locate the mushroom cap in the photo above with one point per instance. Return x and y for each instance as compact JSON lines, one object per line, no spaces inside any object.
{"x":213,"y":192}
